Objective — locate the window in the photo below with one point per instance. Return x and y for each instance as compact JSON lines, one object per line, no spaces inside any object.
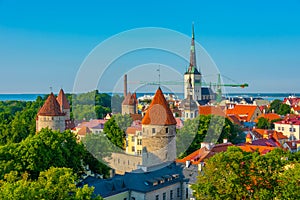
{"x":282,"y":128}
{"x":133,"y":149}
{"x":157,"y":197}
{"x":167,"y":130}
{"x":187,"y":115}
{"x":171,"y":194}
{"x":186,"y":193}
{"x":291,"y":129}
{"x":164,"y":196}
{"x":132,"y":139}
{"x":192,"y":115}
{"x":178,"y":192}
{"x":139,"y":152}
{"x":278,"y":128}
{"x":294,"y":130}
{"x":139,"y":141}
{"x":153,"y":130}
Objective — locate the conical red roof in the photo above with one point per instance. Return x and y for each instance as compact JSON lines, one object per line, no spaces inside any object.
{"x":129,"y":100}
{"x":51,"y":107}
{"x":62,"y":100}
{"x":159,"y":112}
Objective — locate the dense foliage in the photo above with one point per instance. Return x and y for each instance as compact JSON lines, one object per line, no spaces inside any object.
{"x":236,"y":174}
{"x":280,"y":108}
{"x":205,"y":128}
{"x":55,"y":183}
{"x":91,"y":105}
{"x":17,"y":119}
{"x":115,"y":129}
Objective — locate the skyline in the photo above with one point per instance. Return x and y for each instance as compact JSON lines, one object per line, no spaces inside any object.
{"x":43,"y":45}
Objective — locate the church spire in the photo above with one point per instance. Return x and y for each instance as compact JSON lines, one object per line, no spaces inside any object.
{"x":193,"y":65}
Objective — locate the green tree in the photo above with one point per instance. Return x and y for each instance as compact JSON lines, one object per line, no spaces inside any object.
{"x":240,"y":175}
{"x":116,"y":103}
{"x":263,"y":123}
{"x":115,"y":129}
{"x":284,"y":109}
{"x":55,"y":183}
{"x":275,"y":105}
{"x":211,"y":128}
{"x":41,"y":151}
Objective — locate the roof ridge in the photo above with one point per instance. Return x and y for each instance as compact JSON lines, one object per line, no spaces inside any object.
{"x":51,"y":107}
{"x":62,"y":100}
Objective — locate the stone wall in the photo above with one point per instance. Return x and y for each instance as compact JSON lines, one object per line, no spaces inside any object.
{"x":159,"y":144}
{"x":52,"y":122}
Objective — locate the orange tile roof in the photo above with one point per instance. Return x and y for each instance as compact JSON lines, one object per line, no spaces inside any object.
{"x":203,"y":153}
{"x":211,"y":110}
{"x":252,"y":148}
{"x":245,"y":112}
{"x":269,"y":116}
{"x":159,"y":112}
{"x":279,"y":136}
{"x":129,"y":100}
{"x":84,"y":130}
{"x":133,"y":129}
{"x":51,"y":107}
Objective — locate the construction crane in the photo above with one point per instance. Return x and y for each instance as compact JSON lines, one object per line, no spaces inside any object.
{"x":218,"y":86}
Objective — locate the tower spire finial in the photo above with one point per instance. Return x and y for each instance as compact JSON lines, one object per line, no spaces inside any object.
{"x":193,"y":53}
{"x":193,"y":33}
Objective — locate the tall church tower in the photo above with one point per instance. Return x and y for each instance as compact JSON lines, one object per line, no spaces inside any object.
{"x":193,"y":73}
{"x":188,"y":105}
{"x":159,"y":132}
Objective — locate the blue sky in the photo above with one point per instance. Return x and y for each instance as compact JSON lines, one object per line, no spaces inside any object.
{"x":43,"y":44}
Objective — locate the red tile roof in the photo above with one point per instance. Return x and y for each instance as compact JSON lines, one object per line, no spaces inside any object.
{"x":135,"y":117}
{"x":234,"y":119}
{"x":269,"y":116}
{"x":159,"y":112}
{"x":62,"y":100}
{"x":292,"y":121}
{"x":51,"y":107}
{"x":211,"y":110}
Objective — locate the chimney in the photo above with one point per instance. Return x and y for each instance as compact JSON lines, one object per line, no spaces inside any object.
{"x":206,"y":144}
{"x":187,"y":163}
{"x":112,"y":173}
{"x":125,"y":85}
{"x":225,"y":140}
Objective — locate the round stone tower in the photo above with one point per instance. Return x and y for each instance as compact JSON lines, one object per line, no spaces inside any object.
{"x":159,"y":132}
{"x":50,"y":115}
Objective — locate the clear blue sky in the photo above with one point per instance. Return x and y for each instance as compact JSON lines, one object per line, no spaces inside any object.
{"x":43,"y":43}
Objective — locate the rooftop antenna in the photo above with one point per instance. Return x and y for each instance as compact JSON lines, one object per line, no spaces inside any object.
{"x":158,"y":75}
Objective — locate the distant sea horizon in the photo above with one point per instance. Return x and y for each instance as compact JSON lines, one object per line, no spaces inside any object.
{"x":267,"y":96}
